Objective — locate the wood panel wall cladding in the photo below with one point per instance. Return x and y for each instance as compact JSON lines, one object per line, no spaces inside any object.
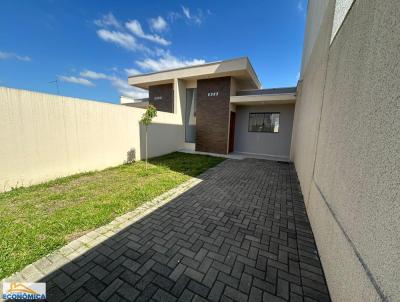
{"x":162,"y":97}
{"x":212,"y":115}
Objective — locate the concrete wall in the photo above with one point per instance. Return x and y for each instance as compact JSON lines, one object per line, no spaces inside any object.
{"x":342,"y":8}
{"x":47,"y":136}
{"x":315,"y":16}
{"x":274,"y":145}
{"x":346,"y":148}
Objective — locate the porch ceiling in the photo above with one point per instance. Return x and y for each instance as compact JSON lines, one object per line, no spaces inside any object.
{"x":264,"y":99}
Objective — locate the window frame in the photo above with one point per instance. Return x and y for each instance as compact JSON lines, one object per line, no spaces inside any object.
{"x":194,"y":91}
{"x":267,"y":112}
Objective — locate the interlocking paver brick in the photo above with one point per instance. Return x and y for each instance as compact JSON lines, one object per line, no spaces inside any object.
{"x":194,"y":274}
{"x":316,"y":295}
{"x":256,"y":295}
{"x":241,"y":233}
{"x":55,"y":294}
{"x":110,"y":290}
{"x":89,"y":298}
{"x":228,"y":280}
{"x":295,"y":298}
{"x":177,"y":272}
{"x":201,"y":254}
{"x":76,"y":284}
{"x":235,"y":295}
{"x":187,"y":295}
{"x":99,"y":272}
{"x":264,"y":285}
{"x":271,"y":298}
{"x":62,"y":280}
{"x":128,"y":292}
{"x":282,"y":289}
{"x":216,"y":291}
{"x":163,"y":282}
{"x":94,"y":286}
{"x":222,"y":267}
{"x":190,"y":262}
{"x":205,"y":265}
{"x":254,"y":272}
{"x":210,"y":277}
{"x":76,"y":296}
{"x":245,"y":283}
{"x":180,"y":285}
{"x":146,"y":280}
{"x":226,"y":299}
{"x":113,"y":275}
{"x":161,"y":269}
{"x":198,"y":298}
{"x":198,"y":288}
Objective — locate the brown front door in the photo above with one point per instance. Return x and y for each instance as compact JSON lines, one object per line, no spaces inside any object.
{"x":232,"y":131}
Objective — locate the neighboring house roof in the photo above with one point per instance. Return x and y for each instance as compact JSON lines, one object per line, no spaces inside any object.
{"x":286,"y":95}
{"x":240,"y":69}
{"x":268,"y":91}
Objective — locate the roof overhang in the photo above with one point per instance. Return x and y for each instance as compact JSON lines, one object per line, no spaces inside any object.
{"x":264,"y":99}
{"x":240,"y":69}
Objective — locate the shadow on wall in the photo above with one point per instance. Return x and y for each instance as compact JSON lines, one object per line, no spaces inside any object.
{"x":130,"y":156}
{"x":162,"y":139}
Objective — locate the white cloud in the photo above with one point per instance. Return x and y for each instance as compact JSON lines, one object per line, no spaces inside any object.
{"x":76,"y":80}
{"x":126,"y":90}
{"x":124,"y":40}
{"x":158,"y":24}
{"x":135,"y":27}
{"x":120,"y":84}
{"x":173,"y":16}
{"x":108,"y":20}
{"x":198,"y":19}
{"x":93,"y":75}
{"x":166,"y":61}
{"x":300,"y":6}
{"x":132,"y":71}
{"x":186,"y":12}
{"x":13,"y":56}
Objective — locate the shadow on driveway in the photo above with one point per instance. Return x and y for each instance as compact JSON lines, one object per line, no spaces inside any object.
{"x":242,"y":234}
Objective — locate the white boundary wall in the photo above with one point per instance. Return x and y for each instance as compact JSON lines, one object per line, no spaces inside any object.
{"x":46,"y":136}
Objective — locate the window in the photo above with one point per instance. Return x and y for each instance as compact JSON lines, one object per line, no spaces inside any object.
{"x":190,"y":115}
{"x":264,"y":122}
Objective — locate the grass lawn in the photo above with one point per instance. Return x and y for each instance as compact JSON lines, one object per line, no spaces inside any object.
{"x":37,"y":220}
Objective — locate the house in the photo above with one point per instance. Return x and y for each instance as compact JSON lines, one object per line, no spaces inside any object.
{"x":340,"y":127}
{"x":223,"y":108}
{"x":344,"y":141}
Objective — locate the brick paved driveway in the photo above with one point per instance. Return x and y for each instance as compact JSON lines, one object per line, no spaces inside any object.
{"x":240,"y":235}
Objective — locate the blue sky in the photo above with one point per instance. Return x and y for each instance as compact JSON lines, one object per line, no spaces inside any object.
{"x":90,"y":47}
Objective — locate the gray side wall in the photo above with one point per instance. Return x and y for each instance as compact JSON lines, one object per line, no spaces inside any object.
{"x":346,"y":148}
{"x":275,"y":145}
{"x":315,"y":17}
